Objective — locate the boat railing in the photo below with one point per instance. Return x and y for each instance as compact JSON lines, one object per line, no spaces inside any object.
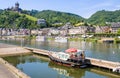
{"x":77,"y":58}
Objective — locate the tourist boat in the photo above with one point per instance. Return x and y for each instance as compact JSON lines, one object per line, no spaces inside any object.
{"x":61,"y":39}
{"x":40,"y":38}
{"x":71,"y":57}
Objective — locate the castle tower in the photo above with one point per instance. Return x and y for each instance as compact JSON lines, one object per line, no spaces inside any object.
{"x":16,"y":5}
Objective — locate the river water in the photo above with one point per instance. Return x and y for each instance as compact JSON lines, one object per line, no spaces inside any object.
{"x":40,"y":67}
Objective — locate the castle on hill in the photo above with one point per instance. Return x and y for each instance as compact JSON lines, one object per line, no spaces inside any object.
{"x":15,"y":8}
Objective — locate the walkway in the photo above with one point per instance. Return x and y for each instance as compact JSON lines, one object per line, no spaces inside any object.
{"x":6,"y":69}
{"x":5,"y":73}
{"x":6,"y":50}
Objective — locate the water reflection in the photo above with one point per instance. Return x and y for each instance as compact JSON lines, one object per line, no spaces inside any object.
{"x":66,"y":71}
{"x":92,"y":72}
{"x":37,"y":66}
{"x":22,"y":59}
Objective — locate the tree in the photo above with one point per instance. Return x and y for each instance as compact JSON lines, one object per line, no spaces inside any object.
{"x":31,"y":25}
{"x":118,"y":31}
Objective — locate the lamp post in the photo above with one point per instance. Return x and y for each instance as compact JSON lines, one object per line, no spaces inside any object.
{"x":21,"y":35}
{"x":21,"y":42}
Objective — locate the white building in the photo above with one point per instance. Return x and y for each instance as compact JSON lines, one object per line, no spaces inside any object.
{"x":41,"y":22}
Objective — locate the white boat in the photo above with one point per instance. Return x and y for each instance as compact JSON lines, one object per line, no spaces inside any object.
{"x":87,"y":36}
{"x":40,"y":38}
{"x":84,"y":36}
{"x":61,"y":39}
{"x":72,"y":58}
{"x":117,"y":69}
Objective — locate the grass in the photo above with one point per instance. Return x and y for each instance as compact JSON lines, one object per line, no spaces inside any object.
{"x":29,"y":17}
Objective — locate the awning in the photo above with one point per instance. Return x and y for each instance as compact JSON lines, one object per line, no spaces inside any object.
{"x":71,"y":50}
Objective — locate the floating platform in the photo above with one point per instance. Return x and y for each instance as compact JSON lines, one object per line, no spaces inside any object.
{"x":114,"y":66}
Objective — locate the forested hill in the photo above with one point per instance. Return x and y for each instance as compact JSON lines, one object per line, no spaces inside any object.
{"x":58,"y":17}
{"x":11,"y":19}
{"x":101,"y":17}
{"x":28,"y":19}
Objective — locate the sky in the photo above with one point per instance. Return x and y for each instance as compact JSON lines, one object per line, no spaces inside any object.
{"x":84,"y":8}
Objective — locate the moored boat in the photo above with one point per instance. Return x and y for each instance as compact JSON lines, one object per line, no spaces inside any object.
{"x":71,"y":57}
{"x":40,"y":38}
{"x":61,"y":39}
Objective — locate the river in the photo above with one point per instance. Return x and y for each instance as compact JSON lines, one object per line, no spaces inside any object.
{"x":37,"y":67}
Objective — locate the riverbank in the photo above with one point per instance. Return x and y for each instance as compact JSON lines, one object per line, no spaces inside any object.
{"x":6,"y":69}
{"x":14,"y":72}
{"x":5,"y":73}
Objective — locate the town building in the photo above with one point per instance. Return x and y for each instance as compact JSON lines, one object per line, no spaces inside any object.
{"x":102,"y":29}
{"x":74,"y":31}
{"x":42,"y":22}
{"x":115,"y":27}
{"x":54,"y":31}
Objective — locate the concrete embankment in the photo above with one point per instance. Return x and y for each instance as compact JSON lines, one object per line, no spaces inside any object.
{"x":5,"y":73}
{"x":8,"y":70}
{"x":6,"y":50}
{"x":16,"y":72}
{"x":13,"y":51}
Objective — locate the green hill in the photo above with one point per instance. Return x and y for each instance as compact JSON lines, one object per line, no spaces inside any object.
{"x":58,"y":17}
{"x":30,"y":17}
{"x":11,"y":19}
{"x":101,"y":17}
{"x":25,"y":20}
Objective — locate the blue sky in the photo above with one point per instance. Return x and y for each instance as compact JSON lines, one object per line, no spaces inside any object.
{"x":84,"y":8}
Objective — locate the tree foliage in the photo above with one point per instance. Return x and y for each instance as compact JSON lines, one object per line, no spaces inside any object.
{"x":118,"y":31}
{"x":101,"y":17}
{"x":28,"y":19}
{"x":57,"y":17}
{"x":10,"y":19}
